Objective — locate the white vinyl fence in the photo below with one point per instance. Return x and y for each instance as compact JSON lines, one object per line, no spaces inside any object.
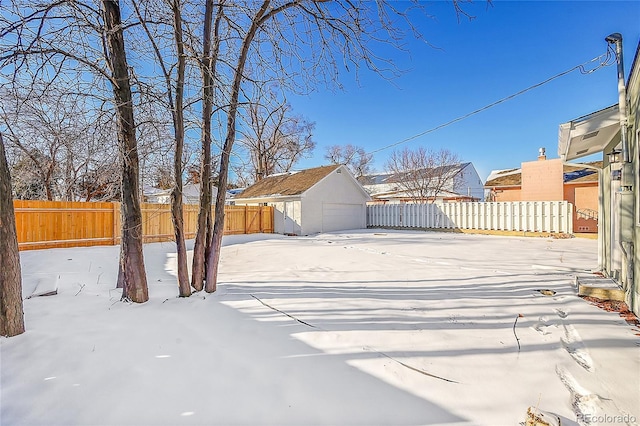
{"x":532,"y":216}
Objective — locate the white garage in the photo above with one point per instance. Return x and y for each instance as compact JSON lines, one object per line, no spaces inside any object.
{"x":321,"y":199}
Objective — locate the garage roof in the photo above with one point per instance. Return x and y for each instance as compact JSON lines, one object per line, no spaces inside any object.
{"x":290,"y":183}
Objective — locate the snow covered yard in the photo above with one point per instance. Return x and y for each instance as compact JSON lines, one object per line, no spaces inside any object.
{"x":367,"y":327}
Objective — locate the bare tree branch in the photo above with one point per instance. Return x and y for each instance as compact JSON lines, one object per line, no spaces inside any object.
{"x":424,"y":174}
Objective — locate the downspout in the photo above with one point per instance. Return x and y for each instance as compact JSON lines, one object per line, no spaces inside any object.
{"x":616,"y":38}
{"x":626,"y":195}
{"x":627,"y":250}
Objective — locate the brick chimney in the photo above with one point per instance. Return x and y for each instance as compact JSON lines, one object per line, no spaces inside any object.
{"x":541,"y":154}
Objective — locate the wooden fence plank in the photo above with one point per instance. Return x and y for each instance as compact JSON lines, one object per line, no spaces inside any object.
{"x":56,"y":224}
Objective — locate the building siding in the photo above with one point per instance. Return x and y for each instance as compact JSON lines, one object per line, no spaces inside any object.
{"x":507,"y":194}
{"x":542,"y":180}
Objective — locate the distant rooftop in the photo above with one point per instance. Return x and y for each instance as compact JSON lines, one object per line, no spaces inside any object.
{"x":578,"y":173}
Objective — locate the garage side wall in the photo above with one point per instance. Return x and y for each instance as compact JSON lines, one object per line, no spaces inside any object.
{"x":287,"y":214}
{"x":278,"y":217}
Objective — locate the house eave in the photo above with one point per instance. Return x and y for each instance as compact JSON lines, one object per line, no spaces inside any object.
{"x":501,"y":186}
{"x":589,"y":182}
{"x":261,"y":198}
{"x":588,"y":134}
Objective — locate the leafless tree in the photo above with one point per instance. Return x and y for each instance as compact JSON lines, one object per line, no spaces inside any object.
{"x":256,"y":19}
{"x":97,"y":171}
{"x":214,"y":17}
{"x":133,"y":276}
{"x":275,"y":138}
{"x":11,"y":313}
{"x":28,"y":182}
{"x":299,"y":44}
{"x":40,"y":132}
{"x":243,"y":173}
{"x":154,"y":136}
{"x":357,"y":160}
{"x":174,"y":95}
{"x":56,"y":141}
{"x":100,"y":182}
{"x":424,"y":174}
{"x":243,"y":44}
{"x":39,"y":42}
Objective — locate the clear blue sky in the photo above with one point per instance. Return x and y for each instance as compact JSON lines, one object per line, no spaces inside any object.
{"x":508,"y":47}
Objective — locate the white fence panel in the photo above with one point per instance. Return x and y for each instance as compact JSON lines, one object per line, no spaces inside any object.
{"x":532,"y":216}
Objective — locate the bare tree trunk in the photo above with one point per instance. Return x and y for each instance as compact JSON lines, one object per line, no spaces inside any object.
{"x":134,"y":286}
{"x":11,"y":313}
{"x":201,"y":246}
{"x":218,"y":226}
{"x":176,"y":107}
{"x":176,"y":194}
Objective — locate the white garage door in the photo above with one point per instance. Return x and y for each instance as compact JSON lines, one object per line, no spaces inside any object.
{"x":338,"y":217}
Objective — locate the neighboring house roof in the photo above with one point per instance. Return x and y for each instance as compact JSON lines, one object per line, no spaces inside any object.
{"x":511,"y":177}
{"x":233,"y":192}
{"x":150,"y":190}
{"x":286,"y":184}
{"x":155,"y":193}
{"x":190,"y":193}
{"x":388,"y":178}
{"x":373,"y":179}
{"x":575,"y":173}
{"x":389,"y":186}
{"x":404,"y":194}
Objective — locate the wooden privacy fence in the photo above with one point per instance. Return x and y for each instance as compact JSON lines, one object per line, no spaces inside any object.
{"x":526,"y":216}
{"x":54,"y":224}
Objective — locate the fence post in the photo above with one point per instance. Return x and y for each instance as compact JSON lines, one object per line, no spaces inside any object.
{"x":116,"y":212}
{"x":246,"y":219}
{"x":569,"y":217}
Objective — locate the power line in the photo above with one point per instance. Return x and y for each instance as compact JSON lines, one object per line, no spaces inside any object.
{"x":604,"y":61}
